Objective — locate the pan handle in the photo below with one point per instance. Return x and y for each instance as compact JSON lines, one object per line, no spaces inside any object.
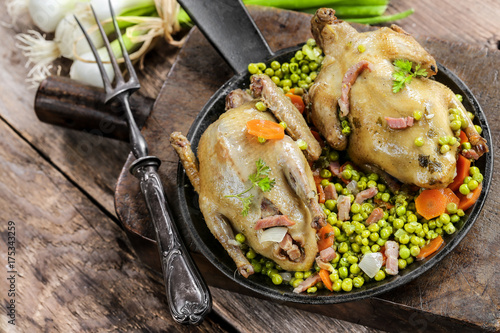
{"x":230,"y":29}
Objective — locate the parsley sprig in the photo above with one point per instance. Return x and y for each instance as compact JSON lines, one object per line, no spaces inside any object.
{"x":404,"y":74}
{"x":259,"y":179}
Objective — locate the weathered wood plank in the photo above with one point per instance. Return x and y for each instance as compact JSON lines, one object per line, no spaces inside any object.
{"x":76,"y":270}
{"x":472,"y":22}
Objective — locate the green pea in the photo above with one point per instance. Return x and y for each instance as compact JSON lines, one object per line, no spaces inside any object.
{"x":260,"y":106}
{"x":286,"y":83}
{"x":295,"y":78}
{"x":271,"y":272}
{"x":325,"y":182}
{"x":455,"y":218}
{"x":478,"y":129}
{"x":347,"y":284}
{"x":404,"y":239}
{"x":277,"y":279}
{"x":444,"y":149}
{"x":417,"y":115}
{"x":451,"y":208}
{"x":415,"y":250}
{"x":444,"y":218}
{"x":455,"y":125}
{"x":355,"y":208}
{"x":358,"y":281}
{"x":371,"y":183}
{"x":355,"y":247}
{"x":337,"y":285}
{"x":381,"y":242}
{"x":449,"y":228}
{"x":262,"y":66}
{"x":354,"y":269}
{"x":478,"y":177}
{"x":404,"y":253}
{"x":302,"y":144}
{"x":401,"y":210}
{"x":385,"y":197}
{"x":361,"y":48}
{"x":419,"y":142}
{"x":444,"y":140}
{"x":346,"y":130}
{"x":312,"y":290}
{"x":343,"y":247}
{"x":346,"y":174}
{"x":253,"y":68}
{"x":275,"y":65}
{"x":410,"y":260}
{"x":466,"y":146}
{"x":380,"y":275}
{"x":343,"y":272}
{"x":385,"y":233}
{"x":402,"y":263}
{"x":473,"y":170}
{"x":365,"y":248}
{"x":251,"y":254}
{"x":375,"y":248}
{"x":398,"y":223}
{"x":459,"y":97}
{"x":464,"y":189}
{"x":325,"y":173}
{"x":240,"y":238}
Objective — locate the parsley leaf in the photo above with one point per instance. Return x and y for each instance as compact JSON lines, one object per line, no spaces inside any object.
{"x":259,"y":179}
{"x":404,"y":74}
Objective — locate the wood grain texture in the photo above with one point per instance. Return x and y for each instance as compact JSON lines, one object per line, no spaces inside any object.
{"x":440,"y":301}
{"x":471,"y":22}
{"x":77,"y":272}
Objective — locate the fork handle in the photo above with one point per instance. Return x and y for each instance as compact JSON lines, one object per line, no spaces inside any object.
{"x":188,"y":295}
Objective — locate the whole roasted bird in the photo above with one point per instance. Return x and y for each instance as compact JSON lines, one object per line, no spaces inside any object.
{"x":227,"y":156}
{"x":356,"y":84}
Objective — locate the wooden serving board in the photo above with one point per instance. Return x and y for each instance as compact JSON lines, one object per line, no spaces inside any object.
{"x":461,"y":292}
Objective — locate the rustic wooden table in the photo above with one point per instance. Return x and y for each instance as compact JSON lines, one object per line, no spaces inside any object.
{"x":76,"y":270}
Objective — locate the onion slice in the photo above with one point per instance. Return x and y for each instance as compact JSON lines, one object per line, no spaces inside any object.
{"x":275,"y":234}
{"x":371,"y":263}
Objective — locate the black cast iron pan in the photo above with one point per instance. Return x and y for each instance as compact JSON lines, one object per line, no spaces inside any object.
{"x":228,"y":26}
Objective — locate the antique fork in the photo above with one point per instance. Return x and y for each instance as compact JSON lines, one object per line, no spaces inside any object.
{"x":187,"y":294}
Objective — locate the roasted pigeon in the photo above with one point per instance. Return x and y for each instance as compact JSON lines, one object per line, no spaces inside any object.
{"x":356,"y":82}
{"x":227,"y":157}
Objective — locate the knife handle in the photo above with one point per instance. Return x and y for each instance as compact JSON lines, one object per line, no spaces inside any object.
{"x":68,"y":103}
{"x":187,"y":293}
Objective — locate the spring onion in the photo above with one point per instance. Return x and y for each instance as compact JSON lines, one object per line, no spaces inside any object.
{"x":274,"y":234}
{"x":371,"y":263}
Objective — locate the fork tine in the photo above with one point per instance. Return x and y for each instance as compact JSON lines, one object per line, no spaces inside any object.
{"x":112,"y":58}
{"x":104,"y":75}
{"x":125,"y":54}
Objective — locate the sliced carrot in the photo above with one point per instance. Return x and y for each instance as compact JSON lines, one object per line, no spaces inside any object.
{"x":463,"y":137}
{"x":430,"y":248}
{"x":450,"y":196}
{"x":326,"y":237}
{"x":266,"y":129}
{"x":463,"y":165}
{"x":468,"y":200}
{"x":297,"y":101}
{"x":325,"y":277}
{"x":318,"y":138}
{"x":317,"y":179}
{"x":431,"y":203}
{"x":321,"y":193}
